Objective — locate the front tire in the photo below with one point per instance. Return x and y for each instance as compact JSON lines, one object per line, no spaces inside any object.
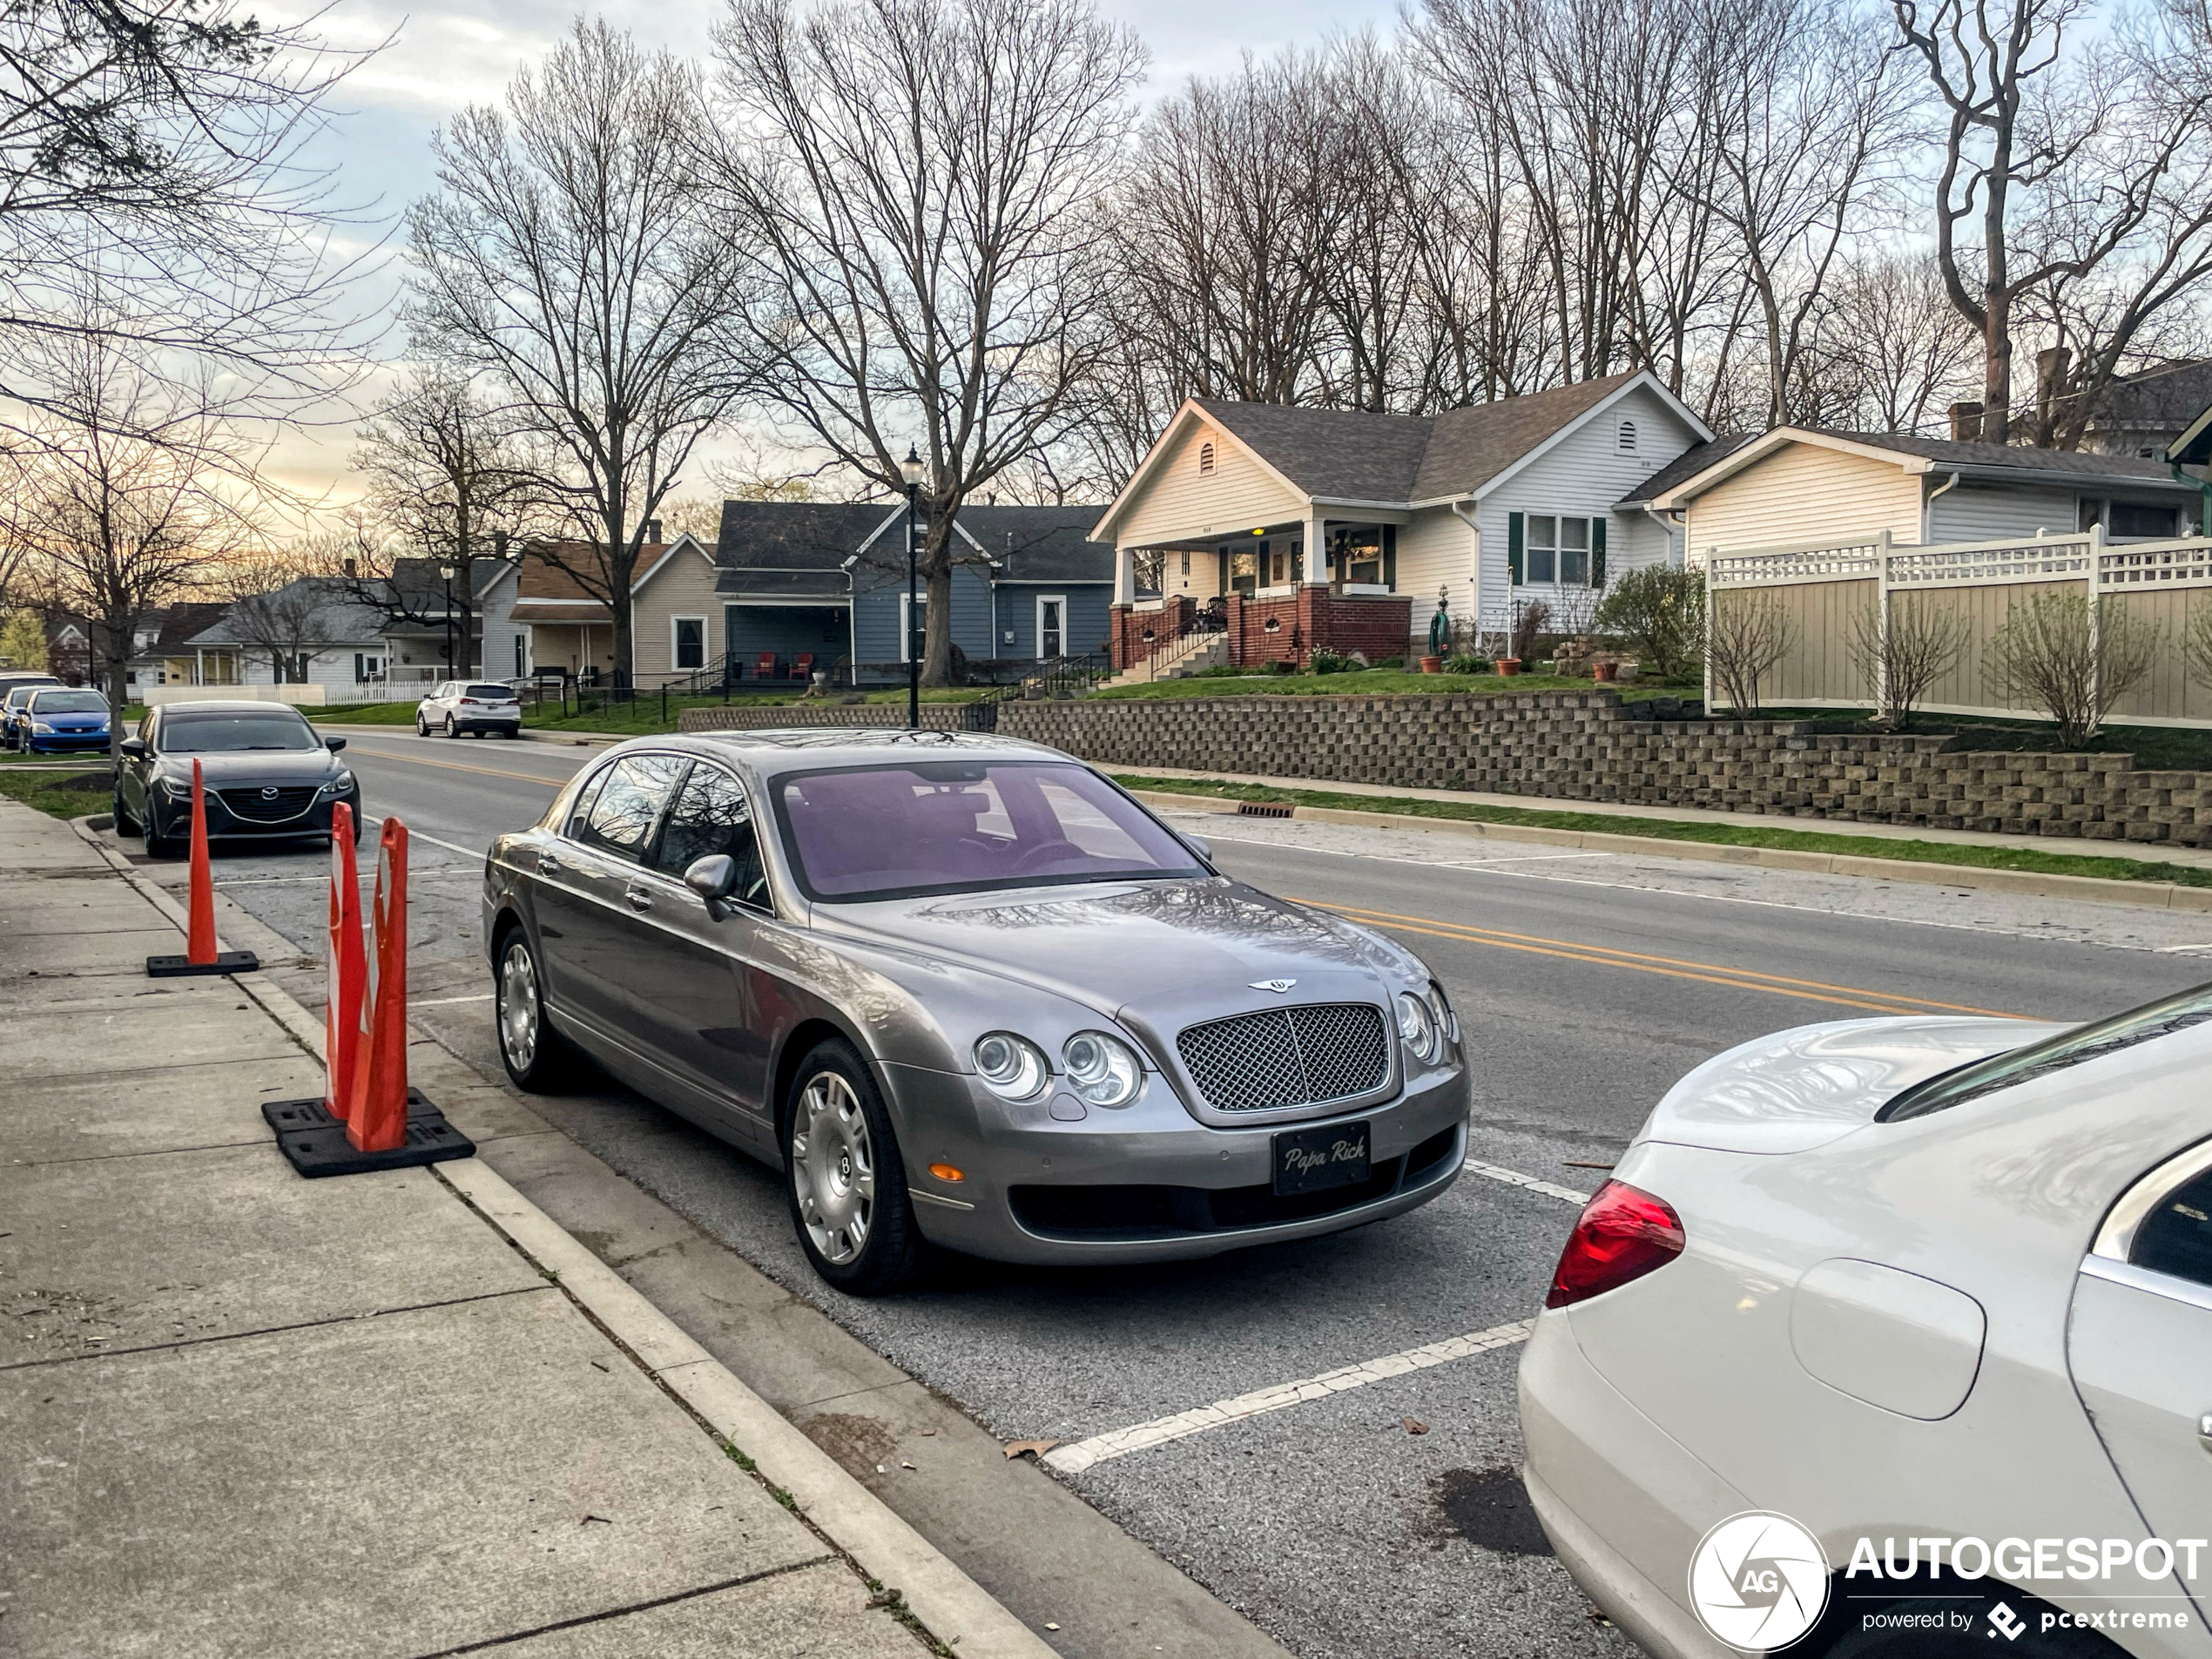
{"x":124,"y":823}
{"x":538,"y":1058}
{"x":158,"y":844}
{"x":845,"y":1178}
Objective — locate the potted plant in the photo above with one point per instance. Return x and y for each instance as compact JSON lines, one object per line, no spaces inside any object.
{"x":1432,"y":664}
{"x":1509,"y":665}
{"x":1604,"y":670}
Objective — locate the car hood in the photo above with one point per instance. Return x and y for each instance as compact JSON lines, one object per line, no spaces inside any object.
{"x":1156,"y":954}
{"x":1802,"y":1089}
{"x":253,"y":767}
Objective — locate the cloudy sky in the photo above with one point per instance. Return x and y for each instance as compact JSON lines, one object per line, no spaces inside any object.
{"x":465,"y":51}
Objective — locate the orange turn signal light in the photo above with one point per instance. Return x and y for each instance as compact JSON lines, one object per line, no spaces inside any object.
{"x":946,"y":1172}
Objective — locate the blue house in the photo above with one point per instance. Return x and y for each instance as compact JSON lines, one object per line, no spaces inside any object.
{"x":827,"y":581}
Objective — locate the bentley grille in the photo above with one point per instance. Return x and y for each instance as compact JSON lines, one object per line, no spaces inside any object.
{"x":1296,"y":1056}
{"x":258,"y":806}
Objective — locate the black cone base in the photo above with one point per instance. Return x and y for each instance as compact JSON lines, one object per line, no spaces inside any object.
{"x":227,"y":961}
{"x":315,"y":1143}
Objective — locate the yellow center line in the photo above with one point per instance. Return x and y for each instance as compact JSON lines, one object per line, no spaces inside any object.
{"x":1669,"y":966}
{"x":461,"y":765}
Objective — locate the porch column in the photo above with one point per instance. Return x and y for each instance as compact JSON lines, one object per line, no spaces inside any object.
{"x":1124,"y":576}
{"x":1317,"y":560}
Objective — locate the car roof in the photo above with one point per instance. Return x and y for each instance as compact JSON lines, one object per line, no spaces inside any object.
{"x":232,"y":705}
{"x":771,"y":753}
{"x":75,"y":690}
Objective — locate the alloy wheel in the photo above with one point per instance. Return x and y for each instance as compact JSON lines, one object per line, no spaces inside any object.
{"x":832,"y":1168}
{"x":519,"y":1016}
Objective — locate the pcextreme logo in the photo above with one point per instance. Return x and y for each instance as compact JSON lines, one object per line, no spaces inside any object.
{"x":1758,"y":1581}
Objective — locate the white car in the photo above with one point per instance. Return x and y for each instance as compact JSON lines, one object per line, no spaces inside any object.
{"x":1894,"y":1336}
{"x":456,"y":706}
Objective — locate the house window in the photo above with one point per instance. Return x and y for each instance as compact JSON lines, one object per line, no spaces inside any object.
{"x":1357,"y":555}
{"x":1186,"y":562}
{"x":913,"y":626}
{"x":687,"y":646}
{"x":2137,"y":519}
{"x":1052,"y":626}
{"x":367,"y":667}
{"x":1205,"y":459}
{"x":1243,"y":570}
{"x":1559,"y":550}
{"x":1625,"y":440}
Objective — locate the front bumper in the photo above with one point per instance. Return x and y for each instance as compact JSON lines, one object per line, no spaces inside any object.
{"x":223,"y":824}
{"x":63,"y":742}
{"x":1147,"y":1183}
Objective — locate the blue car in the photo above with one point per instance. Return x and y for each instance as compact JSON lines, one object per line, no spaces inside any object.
{"x":60,"y":718}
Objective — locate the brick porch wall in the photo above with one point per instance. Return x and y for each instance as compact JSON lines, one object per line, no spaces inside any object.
{"x":1125,"y":641}
{"x":1316,"y":618}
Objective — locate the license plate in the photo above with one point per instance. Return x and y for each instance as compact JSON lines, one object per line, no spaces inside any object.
{"x":1310,"y":1160}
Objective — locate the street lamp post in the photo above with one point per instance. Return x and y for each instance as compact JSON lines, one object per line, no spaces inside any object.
{"x":445,"y":572}
{"x":912,"y":468}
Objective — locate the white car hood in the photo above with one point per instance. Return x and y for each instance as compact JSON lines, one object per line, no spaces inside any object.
{"x":1801,"y":1089}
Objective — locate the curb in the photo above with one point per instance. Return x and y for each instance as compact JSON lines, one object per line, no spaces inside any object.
{"x":580,"y":739}
{"x":2153,"y":895}
{"x":956,"y":1610}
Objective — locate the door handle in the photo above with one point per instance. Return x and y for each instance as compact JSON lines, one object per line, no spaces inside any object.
{"x":548,"y":865}
{"x":2204,"y":1431}
{"x":638,"y":898}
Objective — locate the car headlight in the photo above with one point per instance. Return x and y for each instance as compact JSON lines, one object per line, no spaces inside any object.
{"x":1446,"y":1022}
{"x":180,"y":787}
{"x":338,"y":786}
{"x":1103,"y":1070}
{"x":42,"y":725}
{"x":1417,"y":1027}
{"x":1012,"y":1068}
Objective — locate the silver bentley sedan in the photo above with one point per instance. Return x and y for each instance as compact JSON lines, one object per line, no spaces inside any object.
{"x":965,"y":991}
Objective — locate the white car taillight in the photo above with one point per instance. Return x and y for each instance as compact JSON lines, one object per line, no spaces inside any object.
{"x":1622,"y":1233}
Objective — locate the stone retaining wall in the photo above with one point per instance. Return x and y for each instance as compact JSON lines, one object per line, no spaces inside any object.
{"x":1588,"y":745}
{"x":937,"y":717}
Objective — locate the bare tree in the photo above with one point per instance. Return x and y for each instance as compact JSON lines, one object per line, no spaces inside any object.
{"x":116,"y":512}
{"x":279,"y":607}
{"x":574,"y":257}
{"x":1750,"y":635}
{"x":1903,"y":658}
{"x":2053,"y":654}
{"x":451,"y":482}
{"x":1894,"y":351}
{"x":160,"y":144}
{"x":918,"y":188}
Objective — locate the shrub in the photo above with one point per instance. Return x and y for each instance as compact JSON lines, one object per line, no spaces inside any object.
{"x":1388,"y":661}
{"x":1750,"y":633}
{"x":1282,"y":668}
{"x":1923,"y":642}
{"x":1657,"y":613}
{"x":1528,"y":628}
{"x":2047,"y":657}
{"x":1467,"y":665}
{"x":1327,"y":662}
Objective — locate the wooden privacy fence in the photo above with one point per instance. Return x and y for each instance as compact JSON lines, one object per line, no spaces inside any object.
{"x":1822,"y":592}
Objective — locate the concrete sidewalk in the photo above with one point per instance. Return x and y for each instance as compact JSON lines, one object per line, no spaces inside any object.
{"x":378,"y":1415}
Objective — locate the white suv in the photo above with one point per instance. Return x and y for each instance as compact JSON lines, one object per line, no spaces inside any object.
{"x":456,"y":706}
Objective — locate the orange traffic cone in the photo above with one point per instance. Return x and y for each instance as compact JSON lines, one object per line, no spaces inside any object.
{"x":201,"y":954}
{"x":342,"y":1016}
{"x":376,"y":1120}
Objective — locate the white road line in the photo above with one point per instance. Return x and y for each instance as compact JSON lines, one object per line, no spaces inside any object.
{"x":1078,"y":1455}
{"x":446,"y":1002}
{"x":417,"y":835}
{"x":1527,"y":1183}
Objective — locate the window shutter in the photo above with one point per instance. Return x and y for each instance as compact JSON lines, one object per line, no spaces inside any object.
{"x":1516,"y":527}
{"x":1597,"y":552}
{"x":1390,"y":556}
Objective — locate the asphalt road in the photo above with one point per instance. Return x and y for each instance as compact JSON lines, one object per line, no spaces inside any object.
{"x":1382,"y":1519}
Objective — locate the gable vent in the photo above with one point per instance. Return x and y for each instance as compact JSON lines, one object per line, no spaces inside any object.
{"x":1625,"y":440}
{"x":1205,"y":459}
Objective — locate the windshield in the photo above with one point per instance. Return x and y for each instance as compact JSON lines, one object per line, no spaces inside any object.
{"x":489,"y":693}
{"x":958,"y":826}
{"x":2085,"y":1043}
{"x":68,"y":703}
{"x":19,"y":695}
{"x":217,"y":734}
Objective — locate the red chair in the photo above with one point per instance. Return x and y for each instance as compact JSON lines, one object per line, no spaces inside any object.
{"x":765,"y":668}
{"x":802,"y":667}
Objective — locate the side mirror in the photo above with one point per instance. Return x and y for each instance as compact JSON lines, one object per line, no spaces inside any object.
{"x":1199,"y":844}
{"x":714,"y":878}
{"x":132,"y":748}
{"x":334,"y":743}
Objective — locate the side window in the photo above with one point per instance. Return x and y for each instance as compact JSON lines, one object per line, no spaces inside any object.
{"x":580,"y":809}
{"x":712,"y":815}
{"x":622,"y":813}
{"x":2176,"y":1238}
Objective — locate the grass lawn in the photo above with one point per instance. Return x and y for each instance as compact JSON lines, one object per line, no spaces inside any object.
{"x":65,"y":793}
{"x":1379,"y":682}
{"x":1864,"y":846}
{"x":640,"y":718}
{"x":2156,"y":748}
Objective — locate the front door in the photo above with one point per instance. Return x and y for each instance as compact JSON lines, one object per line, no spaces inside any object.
{"x":2140,"y":1344}
{"x":1052,"y":627}
{"x":588,"y":903}
{"x":696,"y":998}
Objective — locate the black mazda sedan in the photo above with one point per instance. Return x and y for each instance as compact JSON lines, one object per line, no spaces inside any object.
{"x":268,"y":775}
